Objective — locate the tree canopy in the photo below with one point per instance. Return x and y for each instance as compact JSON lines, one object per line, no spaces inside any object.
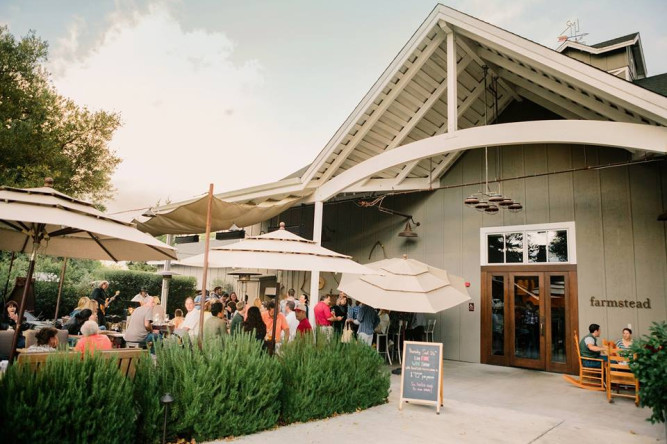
{"x":44,"y":134}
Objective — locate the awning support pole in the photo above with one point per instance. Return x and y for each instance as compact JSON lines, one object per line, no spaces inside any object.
{"x":205,"y":272}
{"x":315,"y":275}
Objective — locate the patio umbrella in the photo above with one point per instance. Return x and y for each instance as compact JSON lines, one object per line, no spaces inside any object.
{"x":406,"y":285}
{"x":278,"y":250}
{"x":45,"y":221}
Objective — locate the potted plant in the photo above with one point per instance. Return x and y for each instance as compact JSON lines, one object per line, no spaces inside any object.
{"x":649,"y":365}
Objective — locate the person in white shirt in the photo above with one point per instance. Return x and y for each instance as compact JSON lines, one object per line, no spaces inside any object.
{"x":290,"y":297}
{"x":292,"y":321}
{"x":191,"y":323}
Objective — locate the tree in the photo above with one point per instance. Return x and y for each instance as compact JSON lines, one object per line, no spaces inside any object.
{"x":44,"y":134}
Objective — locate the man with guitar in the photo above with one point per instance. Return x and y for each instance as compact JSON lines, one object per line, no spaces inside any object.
{"x":100,"y":296}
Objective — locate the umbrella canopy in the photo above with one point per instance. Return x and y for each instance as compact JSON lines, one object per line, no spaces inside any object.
{"x":68,"y":227}
{"x":46,"y":221}
{"x":406,"y":285}
{"x":190,"y":217}
{"x":278,"y":250}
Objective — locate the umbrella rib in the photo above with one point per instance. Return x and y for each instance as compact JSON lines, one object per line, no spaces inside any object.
{"x":97,"y":241}
{"x":158,"y":250}
{"x":11,"y":225}
{"x":65,"y":232}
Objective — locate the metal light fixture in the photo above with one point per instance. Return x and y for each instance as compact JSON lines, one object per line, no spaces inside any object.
{"x":486,"y":201}
{"x":165,"y":400}
{"x":407,"y":232}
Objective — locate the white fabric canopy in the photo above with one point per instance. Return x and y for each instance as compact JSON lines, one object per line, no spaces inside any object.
{"x":70,"y":228}
{"x":278,"y":250}
{"x":407,"y":285}
{"x":190,"y":217}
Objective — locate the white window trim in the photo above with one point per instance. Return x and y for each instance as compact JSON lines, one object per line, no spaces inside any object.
{"x":568,"y":226}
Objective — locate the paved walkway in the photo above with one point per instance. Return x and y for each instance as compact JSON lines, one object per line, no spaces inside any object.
{"x":485,"y":404}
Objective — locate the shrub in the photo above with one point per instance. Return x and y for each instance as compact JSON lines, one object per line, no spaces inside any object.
{"x":329,"y":377}
{"x":68,"y":400}
{"x":230,"y":388}
{"x":650,"y":367}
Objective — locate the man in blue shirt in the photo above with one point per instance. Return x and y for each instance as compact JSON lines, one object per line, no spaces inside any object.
{"x":367,"y":320}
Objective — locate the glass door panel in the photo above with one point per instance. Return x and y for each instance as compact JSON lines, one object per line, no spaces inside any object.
{"x":557,"y":312}
{"x":527,"y":317}
{"x":498,"y":315}
{"x":528,"y":313}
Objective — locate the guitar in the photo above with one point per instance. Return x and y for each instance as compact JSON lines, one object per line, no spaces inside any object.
{"x":103,"y":307}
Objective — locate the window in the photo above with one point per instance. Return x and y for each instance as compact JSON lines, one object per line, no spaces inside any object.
{"x":528,"y":244}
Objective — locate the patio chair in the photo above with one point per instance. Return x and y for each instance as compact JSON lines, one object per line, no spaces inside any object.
{"x":620,"y":377}
{"x":6,"y":338}
{"x":430,"y":328}
{"x":590,"y":378}
{"x":383,"y":338}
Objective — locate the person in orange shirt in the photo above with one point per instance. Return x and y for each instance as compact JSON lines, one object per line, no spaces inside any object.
{"x":92,"y":339}
{"x":281,"y":322}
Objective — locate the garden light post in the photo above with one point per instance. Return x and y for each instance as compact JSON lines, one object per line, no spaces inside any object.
{"x":165,"y":400}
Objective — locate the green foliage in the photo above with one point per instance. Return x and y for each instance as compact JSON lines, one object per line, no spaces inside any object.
{"x":44,"y":134}
{"x":129,"y":283}
{"x":332,"y":378}
{"x":141,"y":266}
{"x":230,"y":388}
{"x":68,"y":400}
{"x":650,"y":367}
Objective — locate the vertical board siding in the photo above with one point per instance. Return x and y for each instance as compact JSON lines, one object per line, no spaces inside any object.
{"x":621,"y":248}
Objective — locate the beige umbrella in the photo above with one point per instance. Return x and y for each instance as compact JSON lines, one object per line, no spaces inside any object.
{"x":406,"y":285}
{"x":42,"y":220}
{"x":278,"y":250}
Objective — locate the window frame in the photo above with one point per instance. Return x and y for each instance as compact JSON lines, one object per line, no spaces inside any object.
{"x":568,"y":227}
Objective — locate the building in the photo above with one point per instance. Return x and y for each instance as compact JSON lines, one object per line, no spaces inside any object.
{"x":576,"y":136}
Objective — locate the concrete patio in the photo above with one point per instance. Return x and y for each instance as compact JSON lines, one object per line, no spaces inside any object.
{"x":486,"y":404}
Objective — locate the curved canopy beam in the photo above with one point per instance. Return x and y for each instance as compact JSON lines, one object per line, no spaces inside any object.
{"x":631,"y":136}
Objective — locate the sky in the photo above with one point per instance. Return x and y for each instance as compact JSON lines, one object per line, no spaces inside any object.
{"x":240,"y":93}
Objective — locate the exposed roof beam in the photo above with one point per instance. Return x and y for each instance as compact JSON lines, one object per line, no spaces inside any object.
{"x":413,"y":183}
{"x":580,"y":132}
{"x":546,"y":104}
{"x":548,"y":95}
{"x":407,"y":169}
{"x":467,"y":47}
{"x":386,"y":101}
{"x":557,"y":88}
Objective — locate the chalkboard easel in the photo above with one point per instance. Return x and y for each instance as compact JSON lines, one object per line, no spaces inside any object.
{"x":421,"y":376}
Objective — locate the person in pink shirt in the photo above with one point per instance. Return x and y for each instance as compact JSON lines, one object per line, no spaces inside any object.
{"x":92,"y":340}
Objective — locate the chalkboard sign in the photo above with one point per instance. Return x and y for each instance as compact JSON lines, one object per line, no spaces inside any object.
{"x":421,"y":376}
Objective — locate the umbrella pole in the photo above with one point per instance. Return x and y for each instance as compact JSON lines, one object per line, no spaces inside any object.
{"x":60,"y":288}
{"x":165,"y":279}
{"x":205,"y":272}
{"x":9,"y":272}
{"x":17,"y":332}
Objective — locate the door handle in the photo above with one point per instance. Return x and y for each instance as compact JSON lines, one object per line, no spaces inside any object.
{"x":541,"y":326}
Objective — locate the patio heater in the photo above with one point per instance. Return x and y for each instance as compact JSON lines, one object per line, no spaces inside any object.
{"x":166,"y":280}
{"x":243,"y":277}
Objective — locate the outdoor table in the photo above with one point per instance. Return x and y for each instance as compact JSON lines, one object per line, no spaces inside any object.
{"x":165,"y":329}
{"x":116,"y":338}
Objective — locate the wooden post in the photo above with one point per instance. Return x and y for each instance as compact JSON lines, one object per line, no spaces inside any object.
{"x":205,"y":272}
{"x":31,"y":269}
{"x":165,"y":279}
{"x":60,"y":288}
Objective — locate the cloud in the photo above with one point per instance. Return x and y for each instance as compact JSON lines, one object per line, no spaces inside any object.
{"x":187,"y":108}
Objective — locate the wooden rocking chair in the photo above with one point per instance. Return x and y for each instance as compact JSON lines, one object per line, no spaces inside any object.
{"x":620,"y":377}
{"x":590,"y":378}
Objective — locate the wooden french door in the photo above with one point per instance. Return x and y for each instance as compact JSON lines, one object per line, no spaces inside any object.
{"x":527,"y":317}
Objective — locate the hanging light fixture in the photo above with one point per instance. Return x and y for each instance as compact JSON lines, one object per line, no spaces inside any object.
{"x":407,"y":232}
{"x":486,"y":201}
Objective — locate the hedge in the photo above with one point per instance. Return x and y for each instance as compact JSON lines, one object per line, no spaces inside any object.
{"x":68,"y":400}
{"x":232,"y":387}
{"x":333,"y":377}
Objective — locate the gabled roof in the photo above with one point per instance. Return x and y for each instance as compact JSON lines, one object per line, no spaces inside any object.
{"x":409,"y":102}
{"x":631,"y":40}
